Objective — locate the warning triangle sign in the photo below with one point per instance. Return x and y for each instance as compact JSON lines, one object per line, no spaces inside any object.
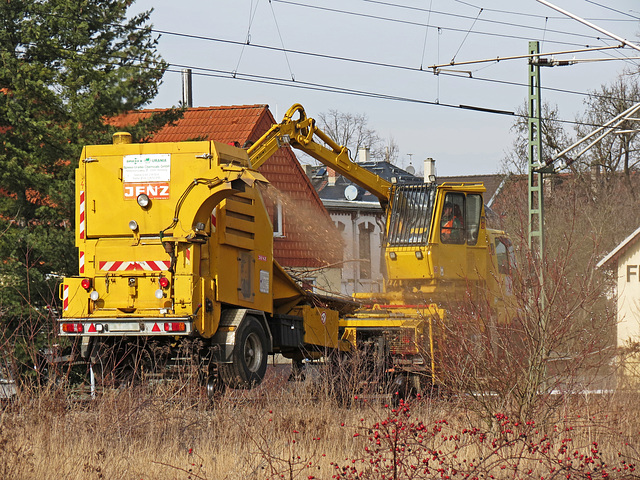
{"x":92,"y":328}
{"x":155,"y":328}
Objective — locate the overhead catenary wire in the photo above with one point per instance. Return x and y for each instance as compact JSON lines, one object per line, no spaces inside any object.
{"x":252,"y":15}
{"x":535,"y":29}
{"x":335,"y":89}
{"x":466,"y":36}
{"x":284,"y":50}
{"x":233,"y":73}
{"x":591,"y":25}
{"x":381,"y":96}
{"x":278,"y":81}
{"x":509,"y":12}
{"x":307,"y":53}
{"x":426,"y":33}
{"x":612,"y":9}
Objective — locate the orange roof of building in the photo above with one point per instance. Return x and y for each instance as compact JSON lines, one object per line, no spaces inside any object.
{"x":309,"y":231}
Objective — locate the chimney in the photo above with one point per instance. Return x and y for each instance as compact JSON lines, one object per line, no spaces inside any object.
{"x":429,"y":170}
{"x":331,"y":177}
{"x":187,"y":97}
{"x":363,"y":154}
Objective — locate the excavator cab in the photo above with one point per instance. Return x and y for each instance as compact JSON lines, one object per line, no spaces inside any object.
{"x":435,"y":234}
{"x":409,"y":214}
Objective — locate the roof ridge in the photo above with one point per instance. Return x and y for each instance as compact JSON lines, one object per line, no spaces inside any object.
{"x":211,"y":107}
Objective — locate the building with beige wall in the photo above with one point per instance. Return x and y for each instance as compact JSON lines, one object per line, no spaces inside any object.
{"x":624,"y":260}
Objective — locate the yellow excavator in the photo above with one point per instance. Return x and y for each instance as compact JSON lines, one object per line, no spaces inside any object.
{"x":438,"y":252}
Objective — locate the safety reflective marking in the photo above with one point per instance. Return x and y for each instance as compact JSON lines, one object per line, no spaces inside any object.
{"x":214,"y":219}
{"x":82,"y":225}
{"x":155,"y":328}
{"x":65,"y":297}
{"x":81,"y":262}
{"x":151,"y":265}
{"x":92,"y":328}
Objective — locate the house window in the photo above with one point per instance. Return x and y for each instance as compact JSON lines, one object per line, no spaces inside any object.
{"x":364,"y":249}
{"x":278,"y":219}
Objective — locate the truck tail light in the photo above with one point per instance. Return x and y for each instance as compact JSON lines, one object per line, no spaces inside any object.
{"x":86,"y":283}
{"x":72,"y":328}
{"x":175,"y":327}
{"x":163,"y":282}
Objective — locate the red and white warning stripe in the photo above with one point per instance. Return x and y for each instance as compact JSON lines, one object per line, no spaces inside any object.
{"x":82,"y":220}
{"x":65,"y":297}
{"x":151,"y":266}
{"x":214,"y":219}
{"x":81,"y":262}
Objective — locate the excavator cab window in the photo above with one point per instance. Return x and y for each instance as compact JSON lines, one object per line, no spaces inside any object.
{"x":504,"y":255}
{"x":409,"y":218}
{"x":452,"y":220}
{"x":472,"y":217}
{"x":460,"y":219}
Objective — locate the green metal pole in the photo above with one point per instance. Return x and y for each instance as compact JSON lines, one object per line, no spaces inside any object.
{"x":536,"y":237}
{"x":538,"y":369}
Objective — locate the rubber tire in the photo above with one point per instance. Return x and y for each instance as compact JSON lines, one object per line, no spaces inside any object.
{"x":401,"y":389}
{"x":215,"y":388}
{"x":249,"y":358}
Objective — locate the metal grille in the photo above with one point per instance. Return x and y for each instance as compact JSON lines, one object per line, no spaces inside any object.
{"x":410,"y":215}
{"x":401,"y":341}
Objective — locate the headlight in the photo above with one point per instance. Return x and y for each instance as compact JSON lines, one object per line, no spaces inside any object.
{"x":143,"y":200}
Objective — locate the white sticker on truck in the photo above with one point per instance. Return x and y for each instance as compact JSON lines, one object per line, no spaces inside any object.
{"x":264,"y":281}
{"x":146,"y":168}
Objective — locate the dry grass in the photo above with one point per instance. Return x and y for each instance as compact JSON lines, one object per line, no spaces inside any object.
{"x":282,"y":431}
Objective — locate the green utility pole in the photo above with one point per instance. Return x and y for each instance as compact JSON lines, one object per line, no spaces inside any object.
{"x":538,"y":368}
{"x":536,"y":193}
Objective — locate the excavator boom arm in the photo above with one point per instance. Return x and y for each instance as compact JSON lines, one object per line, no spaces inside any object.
{"x":300,"y":133}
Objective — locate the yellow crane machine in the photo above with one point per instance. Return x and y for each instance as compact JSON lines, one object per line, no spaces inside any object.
{"x":438,"y":251}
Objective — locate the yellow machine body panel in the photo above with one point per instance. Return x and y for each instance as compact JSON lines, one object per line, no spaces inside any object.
{"x":202,"y":231}
{"x":320,"y":325}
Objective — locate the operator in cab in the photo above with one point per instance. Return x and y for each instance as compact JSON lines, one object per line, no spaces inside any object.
{"x":451,"y":230}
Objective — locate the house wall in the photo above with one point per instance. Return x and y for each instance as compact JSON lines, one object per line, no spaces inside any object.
{"x":628,"y":328}
{"x":325,"y":281}
{"x":353,"y":225}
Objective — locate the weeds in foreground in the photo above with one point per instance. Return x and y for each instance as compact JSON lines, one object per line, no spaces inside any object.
{"x":286,"y":434}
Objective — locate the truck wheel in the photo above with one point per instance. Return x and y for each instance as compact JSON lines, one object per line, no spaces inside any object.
{"x":401,"y":389}
{"x":249,"y":358}
{"x":215,"y":388}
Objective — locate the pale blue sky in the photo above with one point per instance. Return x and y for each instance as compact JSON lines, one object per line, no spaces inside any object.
{"x":394,"y":36}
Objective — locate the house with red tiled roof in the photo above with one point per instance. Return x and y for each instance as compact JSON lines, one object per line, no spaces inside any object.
{"x":306,"y":242}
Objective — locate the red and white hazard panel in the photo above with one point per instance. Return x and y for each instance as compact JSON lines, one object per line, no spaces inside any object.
{"x":82,"y":219}
{"x":65,"y":297}
{"x":151,"y":266}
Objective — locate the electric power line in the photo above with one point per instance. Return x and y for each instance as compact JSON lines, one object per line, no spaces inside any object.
{"x":411,"y":22}
{"x":331,"y":88}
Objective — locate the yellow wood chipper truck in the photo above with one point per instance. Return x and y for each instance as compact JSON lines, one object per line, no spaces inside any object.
{"x":160,"y":279}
